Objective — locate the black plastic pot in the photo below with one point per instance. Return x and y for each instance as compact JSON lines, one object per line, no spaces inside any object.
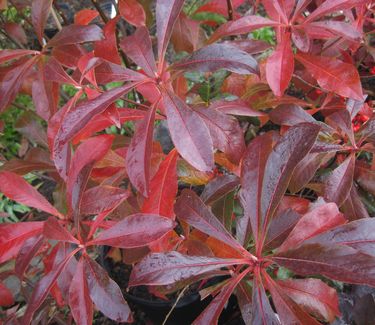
{"x":186,"y":310}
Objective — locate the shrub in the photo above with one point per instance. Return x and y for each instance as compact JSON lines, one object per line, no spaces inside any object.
{"x":268,"y":182}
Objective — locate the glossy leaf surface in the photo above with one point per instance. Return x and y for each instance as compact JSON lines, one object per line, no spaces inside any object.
{"x":17,"y":189}
{"x":163,"y":269}
{"x":136,"y":230}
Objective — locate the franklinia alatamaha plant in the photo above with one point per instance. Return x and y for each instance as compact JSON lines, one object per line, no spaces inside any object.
{"x":258,"y":224}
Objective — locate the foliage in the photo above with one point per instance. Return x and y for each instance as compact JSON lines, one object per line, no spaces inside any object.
{"x":271,"y":128}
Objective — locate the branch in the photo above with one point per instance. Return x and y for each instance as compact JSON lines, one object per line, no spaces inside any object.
{"x":230,"y":9}
{"x":99,"y":9}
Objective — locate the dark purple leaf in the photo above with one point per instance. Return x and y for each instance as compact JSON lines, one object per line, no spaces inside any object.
{"x":102,"y":198}
{"x":105,"y":293}
{"x":191,"y":209}
{"x":218,"y":56}
{"x":168,"y":268}
{"x":79,"y":297}
{"x":340,"y":181}
{"x":337,"y":262}
{"x":74,"y":34}
{"x":136,"y":230}
{"x":189,"y":133}
{"x":139,"y":49}
{"x":138,"y":157}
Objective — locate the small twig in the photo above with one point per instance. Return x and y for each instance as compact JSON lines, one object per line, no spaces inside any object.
{"x":56,"y":19}
{"x":306,"y":82}
{"x":58,"y":9}
{"x":135,"y":103}
{"x":230,"y":9}
{"x":174,"y":305}
{"x":99,"y":9}
{"x":368,"y":77}
{"x":20,"y":106}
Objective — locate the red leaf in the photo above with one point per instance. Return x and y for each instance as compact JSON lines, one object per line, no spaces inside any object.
{"x":252,"y":173}
{"x":26,"y":253}
{"x":45,"y":94}
{"x":284,"y":157}
{"x":17,"y":189}
{"x":55,"y":72}
{"x":39,"y":13}
{"x":332,"y":29}
{"x":79,"y":298}
{"x":163,"y":188}
{"x":68,"y":55}
{"x":337,"y":262}
{"x":340,"y":181}
{"x":85,"y":16}
{"x":61,"y":153}
{"x":301,"y":39}
{"x":218,"y":6}
{"x":187,"y":34}
{"x":167,"y":12}
{"x":12,"y":81}
{"x":6,"y":297}
{"x":289,"y":115}
{"x":342,"y":120}
{"x":80,"y":169}
{"x":190,"y":209}
{"x":100,"y":122}
{"x":280,"y":66}
{"x":189,"y":133}
{"x":306,"y":170}
{"x":136,"y":230}
{"x":7,"y":55}
{"x":331,"y":6}
{"x":43,"y":287}
{"x":107,"y":48}
{"x":353,"y":208}
{"x":13,"y":236}
{"x":354,"y":106}
{"x":313,"y":223}
{"x":242,"y":25}
{"x":218,"y":56}
{"x":225,"y":132}
{"x":138,"y":157}
{"x":358,"y":234}
{"x":139,"y":49}
{"x":55,"y":231}
{"x":109,"y":72}
{"x":244,"y":297}
{"x":280,"y":228}
{"x":133,"y":12}
{"x":74,"y":34}
{"x":35,"y":159}
{"x":279,"y":11}
{"x":16,"y":31}
{"x":235,"y":107}
{"x":102,"y":198}
{"x":288,"y":311}
{"x":168,"y":268}
{"x":219,"y":187}
{"x":333,"y":75}
{"x":212,"y":312}
{"x":262,"y":312}
{"x":76,"y":118}
{"x":105,"y":293}
{"x":314,"y":296}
